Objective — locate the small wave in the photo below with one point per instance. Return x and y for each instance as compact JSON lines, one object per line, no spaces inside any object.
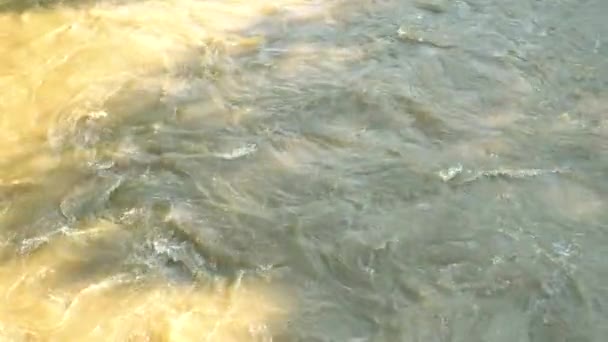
{"x":238,"y":152}
{"x":452,"y":173}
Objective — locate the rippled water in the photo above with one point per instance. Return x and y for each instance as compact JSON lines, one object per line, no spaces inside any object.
{"x":303,"y":170}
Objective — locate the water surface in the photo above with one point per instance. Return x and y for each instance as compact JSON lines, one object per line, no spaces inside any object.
{"x":303,"y":170}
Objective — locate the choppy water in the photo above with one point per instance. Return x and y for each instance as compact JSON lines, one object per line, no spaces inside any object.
{"x":304,"y":170}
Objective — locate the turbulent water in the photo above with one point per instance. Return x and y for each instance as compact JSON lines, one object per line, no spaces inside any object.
{"x":304,"y":170}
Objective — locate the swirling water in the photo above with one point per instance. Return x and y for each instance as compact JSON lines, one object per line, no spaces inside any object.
{"x":303,"y":170}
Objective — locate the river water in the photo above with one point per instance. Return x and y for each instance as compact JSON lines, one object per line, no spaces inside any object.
{"x":304,"y":170}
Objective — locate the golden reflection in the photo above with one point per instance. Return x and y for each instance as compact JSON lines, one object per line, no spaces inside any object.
{"x":44,"y":298}
{"x":61,"y":64}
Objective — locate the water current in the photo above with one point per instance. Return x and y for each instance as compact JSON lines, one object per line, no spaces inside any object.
{"x":304,"y":170}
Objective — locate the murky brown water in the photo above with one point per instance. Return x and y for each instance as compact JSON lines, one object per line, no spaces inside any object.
{"x":303,"y":170}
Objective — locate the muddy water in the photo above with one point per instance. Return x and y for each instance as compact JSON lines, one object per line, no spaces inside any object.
{"x":303,"y":170}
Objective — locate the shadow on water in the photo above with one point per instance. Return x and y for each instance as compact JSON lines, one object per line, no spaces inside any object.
{"x":281,"y":154}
